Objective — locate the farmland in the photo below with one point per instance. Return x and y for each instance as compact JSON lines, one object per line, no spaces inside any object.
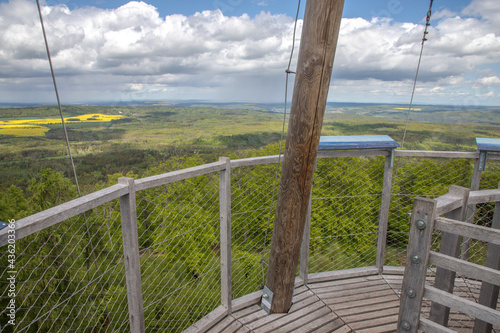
{"x":31,"y":126}
{"x":121,"y":139}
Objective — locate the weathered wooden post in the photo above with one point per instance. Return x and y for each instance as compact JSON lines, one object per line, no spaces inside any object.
{"x":489,"y":292}
{"x":132,"y":261}
{"x":314,"y":70}
{"x":450,"y":245}
{"x":304,"y":248}
{"x":225,"y":232}
{"x":419,"y":243}
{"x":383,"y":219}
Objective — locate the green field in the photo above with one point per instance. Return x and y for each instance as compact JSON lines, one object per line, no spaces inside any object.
{"x":178,"y":223}
{"x":145,"y":136}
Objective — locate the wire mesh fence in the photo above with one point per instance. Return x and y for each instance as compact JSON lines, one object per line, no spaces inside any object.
{"x":67,"y":283}
{"x":344,"y":212}
{"x":424,"y":177}
{"x":179,"y":241}
{"x":253,"y":209}
{"x":69,"y":277}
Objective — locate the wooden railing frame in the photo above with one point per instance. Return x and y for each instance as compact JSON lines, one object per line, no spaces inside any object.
{"x":453,"y":206}
{"x":130,"y":236}
{"x":126,"y":188}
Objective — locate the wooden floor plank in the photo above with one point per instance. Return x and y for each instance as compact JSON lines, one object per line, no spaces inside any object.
{"x":304,"y":320}
{"x":243,"y":329}
{"x":374,"y":323}
{"x":296,"y":307}
{"x":345,"y":281}
{"x":342,"y":329}
{"x":374,"y":304}
{"x":292,"y":317}
{"x":366,"y":304}
{"x":302,"y":296}
{"x":380,"y":329}
{"x":306,"y":302}
{"x":319,"y":323}
{"x":343,"y":288}
{"x":246,"y":311}
{"x":221,"y":325}
{"x":253,"y":317}
{"x":349,"y":292}
{"x":233,"y":327}
{"x":361,"y":296}
{"x":356,"y":317}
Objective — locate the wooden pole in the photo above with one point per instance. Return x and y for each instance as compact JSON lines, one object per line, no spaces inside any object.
{"x":132,"y":261}
{"x":314,"y":70}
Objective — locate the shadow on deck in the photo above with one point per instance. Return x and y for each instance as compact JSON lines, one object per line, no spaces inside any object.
{"x":355,"y":300}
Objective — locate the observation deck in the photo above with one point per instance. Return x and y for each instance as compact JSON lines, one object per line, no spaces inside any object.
{"x":186,"y":250}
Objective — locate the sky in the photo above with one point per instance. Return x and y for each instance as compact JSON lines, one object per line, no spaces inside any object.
{"x":238,"y":50}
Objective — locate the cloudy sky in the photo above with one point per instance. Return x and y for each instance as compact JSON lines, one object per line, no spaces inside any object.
{"x":237,"y":51}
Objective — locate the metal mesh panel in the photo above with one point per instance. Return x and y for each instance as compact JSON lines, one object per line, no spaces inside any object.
{"x":424,"y":177}
{"x":61,"y":284}
{"x":180,"y":252}
{"x":252,"y":190}
{"x":344,"y":212}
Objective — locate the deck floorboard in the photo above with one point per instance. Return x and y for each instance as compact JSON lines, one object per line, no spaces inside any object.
{"x":364,"y":304}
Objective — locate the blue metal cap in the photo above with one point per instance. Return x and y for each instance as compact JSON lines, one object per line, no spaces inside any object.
{"x":357,"y":142}
{"x":488,"y":144}
{"x":3,"y":225}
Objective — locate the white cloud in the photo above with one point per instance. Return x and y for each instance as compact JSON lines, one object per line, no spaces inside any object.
{"x":131,"y":50}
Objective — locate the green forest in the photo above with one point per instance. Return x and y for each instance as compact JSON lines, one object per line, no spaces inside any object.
{"x":71,"y":276}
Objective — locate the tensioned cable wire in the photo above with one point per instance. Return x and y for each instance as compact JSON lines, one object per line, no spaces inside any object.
{"x":424,"y":39}
{"x":288,"y":72}
{"x":427,"y":24}
{"x":69,"y":151}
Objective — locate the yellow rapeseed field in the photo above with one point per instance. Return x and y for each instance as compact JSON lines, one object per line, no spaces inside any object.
{"x":30,"y":127}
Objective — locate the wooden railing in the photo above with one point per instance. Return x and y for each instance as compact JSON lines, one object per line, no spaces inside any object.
{"x":425,"y":219}
{"x":127,"y":187}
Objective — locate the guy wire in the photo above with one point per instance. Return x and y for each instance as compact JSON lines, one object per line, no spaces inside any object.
{"x":424,"y":39}
{"x":70,"y":154}
{"x":288,"y":72}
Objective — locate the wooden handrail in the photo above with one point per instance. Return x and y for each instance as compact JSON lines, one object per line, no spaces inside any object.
{"x":174,"y":176}
{"x":39,"y":221}
{"x":478,"y":232}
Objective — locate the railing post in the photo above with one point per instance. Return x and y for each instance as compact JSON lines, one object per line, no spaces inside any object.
{"x":225,"y":233}
{"x":450,"y":245}
{"x":383,"y":219}
{"x":131,"y":252}
{"x":304,"y":249}
{"x":474,"y":186}
{"x":420,"y":238}
{"x":489,"y":292}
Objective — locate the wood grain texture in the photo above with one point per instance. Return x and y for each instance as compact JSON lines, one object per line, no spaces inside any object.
{"x":415,"y":272}
{"x":438,"y":154}
{"x":132,"y":262}
{"x":304,"y":248}
{"x":39,"y":221}
{"x":429,"y":326}
{"x":450,"y":245}
{"x":463,"y":305}
{"x":317,"y":49}
{"x":478,"y":232}
{"x":484,"y":196}
{"x":174,"y":176}
{"x":383,"y":218}
{"x":465,"y":268}
{"x":489,"y":292}
{"x":225,"y":232}
{"x":205,"y":323}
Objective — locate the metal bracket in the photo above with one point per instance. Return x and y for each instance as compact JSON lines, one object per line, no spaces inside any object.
{"x":391,"y":152}
{"x":482,"y":160}
{"x":267,"y":299}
